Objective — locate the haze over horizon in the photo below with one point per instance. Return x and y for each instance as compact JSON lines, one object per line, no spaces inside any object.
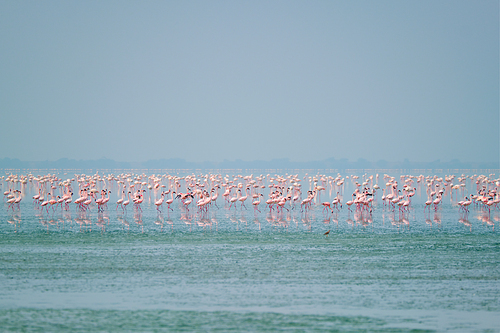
{"x":285,"y":163}
{"x":214,"y":81}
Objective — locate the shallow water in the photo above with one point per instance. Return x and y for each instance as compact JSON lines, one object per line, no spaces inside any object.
{"x":243,"y":271}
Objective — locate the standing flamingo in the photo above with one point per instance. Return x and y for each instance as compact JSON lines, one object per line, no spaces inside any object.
{"x":159,"y":202}
{"x":127,"y":202}
{"x":256,"y":202}
{"x":234,"y":199}
{"x":120,"y":201}
{"x":169,"y":201}
{"x":242,"y":199}
{"x":437,"y":201}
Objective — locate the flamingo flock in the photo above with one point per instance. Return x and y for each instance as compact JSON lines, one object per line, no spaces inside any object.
{"x":279,"y":193}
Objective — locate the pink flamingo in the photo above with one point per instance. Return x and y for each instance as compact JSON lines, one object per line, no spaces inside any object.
{"x":256,"y":202}
{"x":187,"y":202}
{"x":281,"y":203}
{"x":204,"y":202}
{"x":169,"y":201}
{"x":83,"y":197}
{"x":466,"y":204}
{"x":243,"y":199}
{"x":36,"y":197}
{"x":12,"y":201}
{"x":350,"y":202}
{"x":139,"y":199}
{"x":46,"y":203}
{"x":106,"y":198}
{"x":428,"y":203}
{"x":99,"y":202}
{"x":234,"y":199}
{"x":120,"y":201}
{"x":68,"y":200}
{"x":270,"y":202}
{"x":326,"y":205}
{"x":126,"y":202}
{"x":159,"y":202}
{"x":296,"y":197}
{"x":88,"y":200}
{"x":227,"y":193}
{"x":7,"y":194}
{"x":437,"y":201}
{"x":215,"y":196}
{"x":52,"y":201}
{"x":306,"y":203}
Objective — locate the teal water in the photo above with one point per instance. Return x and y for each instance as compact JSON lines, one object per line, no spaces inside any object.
{"x":240,"y":271}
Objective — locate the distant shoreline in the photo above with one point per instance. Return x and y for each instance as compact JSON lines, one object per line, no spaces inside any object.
{"x":278,"y":165}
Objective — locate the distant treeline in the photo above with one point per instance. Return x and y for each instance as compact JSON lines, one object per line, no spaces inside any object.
{"x":174,"y":163}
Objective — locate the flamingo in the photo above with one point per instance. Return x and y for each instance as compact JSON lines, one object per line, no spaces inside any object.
{"x":461,"y":204}
{"x":467,"y":203}
{"x":169,"y":201}
{"x":326,"y":205}
{"x":305,"y":204}
{"x":350,"y":202}
{"x":256,"y":202}
{"x":36,"y":197}
{"x":127,"y":202}
{"x":187,"y":202}
{"x":336,"y":202}
{"x":437,"y":201}
{"x":68,"y":200}
{"x":215,"y":196}
{"x":281,"y":203}
{"x":139,"y":198}
{"x":159,"y":202}
{"x":205,"y":199}
{"x":119,"y":202}
{"x":99,"y":202}
{"x":52,"y":201}
{"x":296,"y":197}
{"x":106,"y":198}
{"x":227,"y":193}
{"x":234,"y":199}
{"x":243,"y":199}
{"x":46,"y":203}
{"x":7,"y":194}
{"x":12,"y":201}
{"x":80,"y":199}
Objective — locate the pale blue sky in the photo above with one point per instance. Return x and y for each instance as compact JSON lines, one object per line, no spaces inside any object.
{"x":250,"y":80}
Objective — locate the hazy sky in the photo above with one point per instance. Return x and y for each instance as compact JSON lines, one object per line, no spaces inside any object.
{"x":250,"y":80}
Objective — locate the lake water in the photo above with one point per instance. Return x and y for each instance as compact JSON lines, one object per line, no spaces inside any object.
{"x":240,"y":270}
